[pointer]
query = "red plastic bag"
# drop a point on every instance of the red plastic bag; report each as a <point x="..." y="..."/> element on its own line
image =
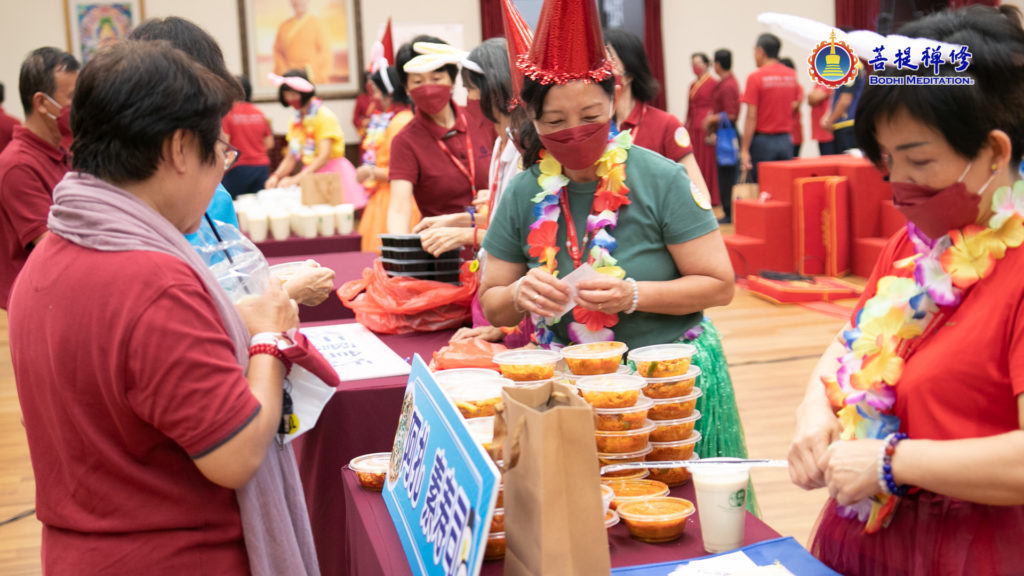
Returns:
<point x="469" y="353"/>
<point x="400" y="305"/>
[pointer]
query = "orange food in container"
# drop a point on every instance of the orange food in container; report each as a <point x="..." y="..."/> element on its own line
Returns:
<point x="675" y="408"/>
<point x="495" y="549"/>
<point x="662" y="360"/>
<point x="656" y="519"/>
<point x="679" y="450"/>
<point x="610" y="390"/>
<point x="635" y="489"/>
<point x="611" y="518"/>
<point x="527" y="365"/>
<point x="673" y="430"/>
<point x="609" y="459"/>
<point x="498" y="521"/>
<point x="673" y="386"/>
<point x="478" y="398"/>
<point x="625" y="441"/>
<point x="372" y="469"/>
<point x="607" y="495"/>
<point x="594" y="358"/>
<point x="620" y="419"/>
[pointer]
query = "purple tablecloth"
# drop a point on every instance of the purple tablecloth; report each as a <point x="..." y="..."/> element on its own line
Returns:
<point x="346" y="265"/>
<point x="296" y="246"/>
<point x="373" y="547"/>
<point x="359" y="419"/>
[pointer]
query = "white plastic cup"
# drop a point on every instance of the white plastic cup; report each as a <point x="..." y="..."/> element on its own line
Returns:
<point x="280" y="225"/>
<point x="242" y="214"/>
<point x="304" y="222"/>
<point x="345" y="214"/>
<point x="325" y="219"/>
<point x="257" y="223"/>
<point x="721" y="502"/>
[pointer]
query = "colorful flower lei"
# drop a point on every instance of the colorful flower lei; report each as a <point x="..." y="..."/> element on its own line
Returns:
<point x="612" y="193"/>
<point x="901" y="314"/>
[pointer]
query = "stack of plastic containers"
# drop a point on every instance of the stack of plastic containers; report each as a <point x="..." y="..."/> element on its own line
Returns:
<point x="403" y="255"/>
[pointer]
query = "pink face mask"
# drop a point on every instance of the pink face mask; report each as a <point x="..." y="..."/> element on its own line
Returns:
<point x="937" y="211"/>
<point x="579" y="147"/>
<point x="431" y="98"/>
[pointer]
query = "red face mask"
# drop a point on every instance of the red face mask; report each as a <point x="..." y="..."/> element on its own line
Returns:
<point x="937" y="211"/>
<point x="431" y="98"/>
<point x="579" y="147"/>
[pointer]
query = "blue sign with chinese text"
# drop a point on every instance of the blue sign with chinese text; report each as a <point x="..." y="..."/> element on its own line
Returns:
<point x="441" y="485"/>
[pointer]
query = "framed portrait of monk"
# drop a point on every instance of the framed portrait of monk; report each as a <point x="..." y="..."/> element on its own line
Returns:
<point x="320" y="37"/>
<point x="90" y="23"/>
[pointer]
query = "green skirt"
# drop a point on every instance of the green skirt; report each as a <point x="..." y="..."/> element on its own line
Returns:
<point x="719" y="425"/>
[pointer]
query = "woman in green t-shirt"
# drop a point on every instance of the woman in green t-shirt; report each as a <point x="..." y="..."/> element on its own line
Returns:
<point x="630" y="213"/>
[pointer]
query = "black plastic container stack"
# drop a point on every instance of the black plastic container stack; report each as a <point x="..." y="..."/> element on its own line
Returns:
<point x="403" y="255"/>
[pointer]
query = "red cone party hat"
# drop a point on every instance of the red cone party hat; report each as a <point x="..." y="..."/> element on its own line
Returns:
<point x="568" y="44"/>
<point x="518" y="38"/>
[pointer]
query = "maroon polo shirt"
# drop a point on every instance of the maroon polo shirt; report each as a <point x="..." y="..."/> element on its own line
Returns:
<point x="773" y="88"/>
<point x="417" y="155"/>
<point x="246" y="125"/>
<point x="7" y="124"/>
<point x="726" y="97"/>
<point x="659" y="131"/>
<point x="30" y="168"/>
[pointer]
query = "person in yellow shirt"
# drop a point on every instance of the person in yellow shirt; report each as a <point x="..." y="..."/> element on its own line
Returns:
<point x="302" y="43"/>
<point x="314" y="138"/>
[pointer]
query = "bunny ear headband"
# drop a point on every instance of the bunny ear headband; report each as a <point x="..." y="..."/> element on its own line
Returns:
<point x="294" y="82"/>
<point x="433" y="56"/>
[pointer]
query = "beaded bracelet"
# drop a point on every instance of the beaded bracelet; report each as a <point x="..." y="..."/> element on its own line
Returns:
<point x="636" y="296"/>
<point x="885" y="479"/>
<point x="472" y="216"/>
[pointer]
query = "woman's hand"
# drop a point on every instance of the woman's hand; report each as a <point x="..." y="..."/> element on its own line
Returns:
<point x="489" y="333"/>
<point x="541" y="293"/>
<point x="605" y="293"/>
<point x="483" y="197"/>
<point x="745" y="162"/>
<point x="310" y="284"/>
<point x="272" y="311"/>
<point x="442" y="221"/>
<point x="289" y="181"/>
<point x="364" y="173"/>
<point x="816" y="428"/>
<point x="851" y="470"/>
<point x="272" y="182"/>
<point x="437" y="241"/>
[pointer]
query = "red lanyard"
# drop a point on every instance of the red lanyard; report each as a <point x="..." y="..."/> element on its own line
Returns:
<point x="471" y="172"/>
<point x="571" y="239"/>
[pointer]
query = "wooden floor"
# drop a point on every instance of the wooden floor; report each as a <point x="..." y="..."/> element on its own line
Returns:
<point x="771" y="350"/>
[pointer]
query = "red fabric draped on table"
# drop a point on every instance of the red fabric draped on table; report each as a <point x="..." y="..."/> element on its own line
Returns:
<point x="701" y="104"/>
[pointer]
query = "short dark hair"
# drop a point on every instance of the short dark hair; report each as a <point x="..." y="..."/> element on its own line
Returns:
<point x="305" y="96"/>
<point x="38" y="73"/>
<point x="243" y="81"/>
<point x="630" y="49"/>
<point x="964" y="115"/>
<point x="533" y="95"/>
<point x="770" y="43"/>
<point x="195" y="42"/>
<point x="122" y="118"/>
<point x="703" y="57"/>
<point x="398" y="93"/>
<point x="723" y="58"/>
<point x="495" y="84"/>
<point x="406" y="52"/>
<point x="788" y="63"/>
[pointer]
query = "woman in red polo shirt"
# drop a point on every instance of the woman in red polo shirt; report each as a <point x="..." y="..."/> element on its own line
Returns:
<point x="249" y="131"/>
<point x="432" y="159"/>
<point x="651" y="127"/>
<point x="924" y="461"/>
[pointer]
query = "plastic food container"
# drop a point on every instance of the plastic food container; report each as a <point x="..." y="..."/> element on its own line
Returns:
<point x="656" y="519"/>
<point x="495" y="549"/>
<point x="400" y="240"/>
<point x="476" y="399"/>
<point x="610" y="390"/>
<point x="673" y="430"/>
<point x="680" y="450"/>
<point x="415" y="253"/>
<point x="632" y="490"/>
<point x="482" y="430"/>
<point x="372" y="469"/>
<point x="424" y="265"/>
<point x="673" y="386"/>
<point x="457" y="375"/>
<point x="609" y="459"/>
<point x="611" y="518"/>
<point x="527" y="365"/>
<point x="620" y="419"/>
<point x="498" y="520"/>
<point x="594" y="358"/>
<point x="662" y="360"/>
<point x="285" y="271"/>
<point x="623" y="442"/>
<point x="674" y="408"/>
<point x="446" y="277"/>
<point x="607" y="495"/>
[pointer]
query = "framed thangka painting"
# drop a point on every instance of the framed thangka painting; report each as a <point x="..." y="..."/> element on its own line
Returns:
<point x="320" y="37"/>
<point x="90" y="23"/>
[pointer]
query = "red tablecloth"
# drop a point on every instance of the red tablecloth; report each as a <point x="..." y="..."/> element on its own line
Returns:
<point x="296" y="246"/>
<point x="359" y="419"/>
<point x="346" y="265"/>
<point x="373" y="546"/>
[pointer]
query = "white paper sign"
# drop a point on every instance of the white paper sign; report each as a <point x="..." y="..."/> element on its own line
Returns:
<point x="355" y="353"/>
<point x="584" y="272"/>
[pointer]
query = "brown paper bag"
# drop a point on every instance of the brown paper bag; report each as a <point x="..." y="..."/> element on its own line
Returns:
<point x="745" y="189"/>
<point x="321" y="189"/>
<point x="553" y="512"/>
